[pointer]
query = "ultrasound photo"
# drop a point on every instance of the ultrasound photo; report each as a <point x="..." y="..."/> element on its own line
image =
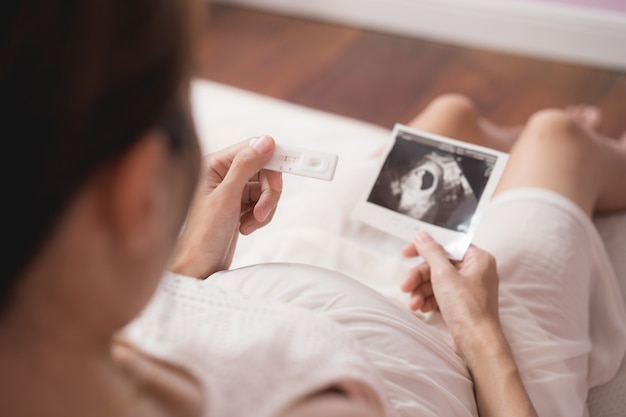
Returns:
<point x="433" y="182"/>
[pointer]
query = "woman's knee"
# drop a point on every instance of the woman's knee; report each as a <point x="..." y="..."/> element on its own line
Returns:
<point x="553" y="125"/>
<point x="454" y="106"/>
<point x="451" y="115"/>
<point x="555" y="153"/>
<point x="554" y="132"/>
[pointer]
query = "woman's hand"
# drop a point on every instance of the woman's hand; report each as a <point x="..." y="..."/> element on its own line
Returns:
<point x="235" y="195"/>
<point x="466" y="292"/>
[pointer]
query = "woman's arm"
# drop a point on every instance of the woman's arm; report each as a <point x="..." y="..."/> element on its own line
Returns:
<point x="466" y="293"/>
<point x="497" y="383"/>
<point x="235" y="195"/>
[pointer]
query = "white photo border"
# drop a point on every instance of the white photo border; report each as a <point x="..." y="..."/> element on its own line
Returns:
<point x="404" y="226"/>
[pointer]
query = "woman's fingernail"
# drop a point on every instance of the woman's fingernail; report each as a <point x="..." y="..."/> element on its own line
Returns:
<point x="423" y="237"/>
<point x="261" y="144"/>
<point x="278" y="184"/>
<point x="249" y="228"/>
<point x="266" y="212"/>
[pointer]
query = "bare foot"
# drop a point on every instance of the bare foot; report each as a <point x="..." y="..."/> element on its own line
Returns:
<point x="588" y="116"/>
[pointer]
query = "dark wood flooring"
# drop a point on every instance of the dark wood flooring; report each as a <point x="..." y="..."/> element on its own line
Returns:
<point x="384" y="79"/>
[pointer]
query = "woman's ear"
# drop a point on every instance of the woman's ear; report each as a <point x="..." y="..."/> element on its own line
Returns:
<point x="137" y="192"/>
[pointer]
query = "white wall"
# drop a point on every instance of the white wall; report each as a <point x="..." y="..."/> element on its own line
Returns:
<point x="544" y="29"/>
<point x="618" y="6"/>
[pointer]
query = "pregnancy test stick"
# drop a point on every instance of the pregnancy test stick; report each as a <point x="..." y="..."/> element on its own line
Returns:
<point x="305" y="162"/>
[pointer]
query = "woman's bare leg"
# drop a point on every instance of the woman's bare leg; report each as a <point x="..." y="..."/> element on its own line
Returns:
<point x="557" y="150"/>
<point x="558" y="153"/>
<point x="455" y="116"/>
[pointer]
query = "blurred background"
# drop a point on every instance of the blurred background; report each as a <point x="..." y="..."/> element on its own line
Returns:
<point x="382" y="61"/>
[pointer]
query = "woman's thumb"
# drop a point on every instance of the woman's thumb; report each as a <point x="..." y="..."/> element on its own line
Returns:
<point x="434" y="254"/>
<point x="250" y="160"/>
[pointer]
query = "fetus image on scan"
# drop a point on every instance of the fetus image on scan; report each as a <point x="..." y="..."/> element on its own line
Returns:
<point x="432" y="182"/>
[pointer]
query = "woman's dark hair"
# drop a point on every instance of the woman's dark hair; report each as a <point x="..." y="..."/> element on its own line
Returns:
<point x="80" y="80"/>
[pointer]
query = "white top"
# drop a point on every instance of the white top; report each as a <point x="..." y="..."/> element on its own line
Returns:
<point x="261" y="337"/>
<point x="251" y="357"/>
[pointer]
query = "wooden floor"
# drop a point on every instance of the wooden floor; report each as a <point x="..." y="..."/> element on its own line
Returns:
<point x="384" y="79"/>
